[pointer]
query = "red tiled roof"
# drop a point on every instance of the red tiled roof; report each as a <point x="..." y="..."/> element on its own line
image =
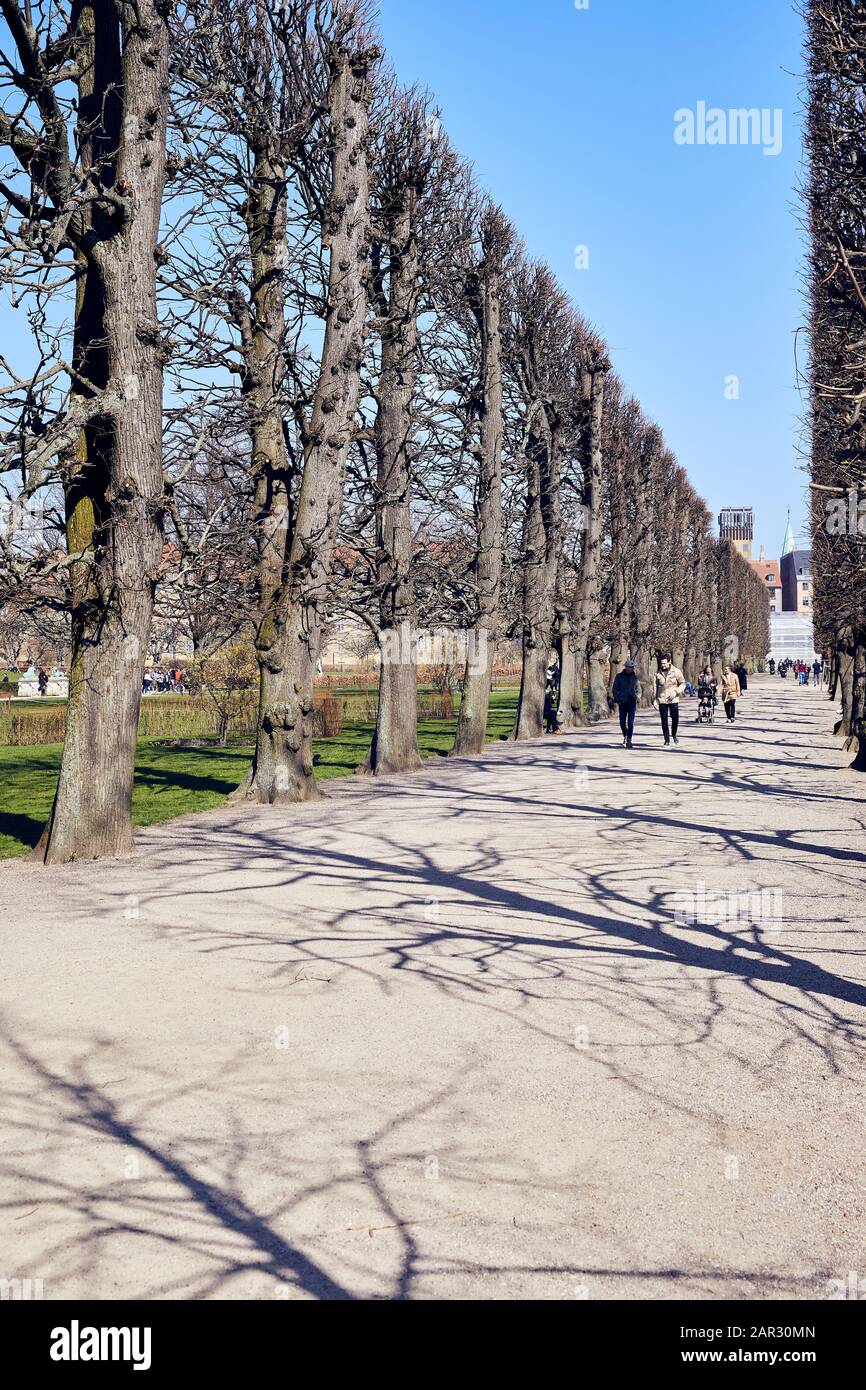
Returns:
<point x="764" y="567"/>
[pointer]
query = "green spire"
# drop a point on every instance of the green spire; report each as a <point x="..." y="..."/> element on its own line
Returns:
<point x="788" y="544"/>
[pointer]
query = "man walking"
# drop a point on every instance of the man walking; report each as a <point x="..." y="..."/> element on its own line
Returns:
<point x="626" y="693"/>
<point x="670" y="685"/>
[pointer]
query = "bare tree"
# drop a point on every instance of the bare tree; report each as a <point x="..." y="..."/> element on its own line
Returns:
<point x="289" y="86"/>
<point x="83" y="120"/>
<point x="288" y="638"/>
<point x="413" y="171"/>
<point x="482" y="294"/>
<point x="836" y="206"/>
<point x="593" y="366"/>
<point x="537" y="343"/>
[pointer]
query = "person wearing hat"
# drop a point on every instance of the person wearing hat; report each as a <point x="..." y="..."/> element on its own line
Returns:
<point x="626" y="693"/>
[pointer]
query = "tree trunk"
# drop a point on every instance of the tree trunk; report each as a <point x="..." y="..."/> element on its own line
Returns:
<point x="261" y="324"/>
<point x="679" y="587"/>
<point x="530" y="720"/>
<point x="541" y="537"/>
<point x="598" y="707"/>
<point x="646" y="675"/>
<point x="833" y="682"/>
<point x="288" y="638"/>
<point x="478" y="675"/>
<point x="114" y="494"/>
<point x="585" y="605"/>
<point x="395" y="741"/>
<point x="642" y="594"/>
<point x="620" y="649"/>
<point x="846" y="685"/>
<point x="475" y="700"/>
<point x="619" y="655"/>
<point x="570" y="711"/>
<point x="858" y="699"/>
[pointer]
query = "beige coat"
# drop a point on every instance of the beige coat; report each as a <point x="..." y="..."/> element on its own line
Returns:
<point x="729" y="688"/>
<point x="670" y="685"/>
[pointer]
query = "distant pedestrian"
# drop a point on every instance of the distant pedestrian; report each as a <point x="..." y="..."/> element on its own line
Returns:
<point x="730" y="693"/>
<point x="771" y="666"/>
<point x="551" y="700"/>
<point x="742" y="676"/>
<point x="626" y="693"/>
<point x="42" y="681"/>
<point x="816" y="673"/>
<point x="669" y="686"/>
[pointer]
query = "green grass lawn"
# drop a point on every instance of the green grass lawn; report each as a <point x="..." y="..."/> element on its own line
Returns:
<point x="172" y="781"/>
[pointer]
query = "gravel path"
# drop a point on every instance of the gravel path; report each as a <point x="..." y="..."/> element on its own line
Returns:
<point x="487" y="1031"/>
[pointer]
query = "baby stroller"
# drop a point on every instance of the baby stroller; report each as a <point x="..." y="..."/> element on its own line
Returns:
<point x="706" y="704"/>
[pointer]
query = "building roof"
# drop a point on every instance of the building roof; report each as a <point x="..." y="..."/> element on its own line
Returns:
<point x="788" y="543"/>
<point x="800" y="560"/>
<point x="763" y="568"/>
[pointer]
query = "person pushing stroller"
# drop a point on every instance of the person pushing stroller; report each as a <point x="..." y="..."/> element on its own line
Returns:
<point x="707" y="695"/>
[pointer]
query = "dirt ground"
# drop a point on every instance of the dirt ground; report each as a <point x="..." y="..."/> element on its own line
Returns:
<point x="486" y="1031"/>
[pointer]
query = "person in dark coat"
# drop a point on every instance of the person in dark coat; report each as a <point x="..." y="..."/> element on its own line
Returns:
<point x="551" y="700"/>
<point x="626" y="693"/>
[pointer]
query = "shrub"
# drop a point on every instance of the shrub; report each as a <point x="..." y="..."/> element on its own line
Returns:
<point x="24" y="728"/>
<point x="230" y="677"/>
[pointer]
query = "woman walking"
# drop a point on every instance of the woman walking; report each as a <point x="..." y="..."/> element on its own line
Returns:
<point x="730" y="693"/>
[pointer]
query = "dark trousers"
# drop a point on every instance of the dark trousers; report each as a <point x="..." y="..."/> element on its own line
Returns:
<point x="730" y="708"/>
<point x="670" y="720"/>
<point x="626" y="719"/>
<point x="551" y="717"/>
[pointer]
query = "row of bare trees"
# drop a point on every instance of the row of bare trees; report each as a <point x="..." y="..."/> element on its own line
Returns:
<point x="836" y="205"/>
<point x="667" y="584"/>
<point x="285" y="363"/>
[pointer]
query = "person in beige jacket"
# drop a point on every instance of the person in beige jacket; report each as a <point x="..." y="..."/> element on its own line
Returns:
<point x="670" y="685"/>
<point x="730" y="693"/>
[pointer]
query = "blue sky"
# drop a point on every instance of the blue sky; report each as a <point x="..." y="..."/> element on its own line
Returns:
<point x="695" y="252"/>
